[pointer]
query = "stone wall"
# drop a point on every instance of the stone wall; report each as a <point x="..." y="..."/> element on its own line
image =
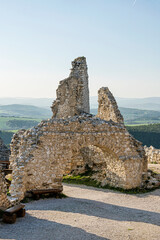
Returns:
<point x="41" y="156"/>
<point x="73" y="93"/>
<point x="32" y="162"/>
<point x="4" y="152"/>
<point x="107" y="106"/>
<point x="4" y="202"/>
<point x="153" y="154"/>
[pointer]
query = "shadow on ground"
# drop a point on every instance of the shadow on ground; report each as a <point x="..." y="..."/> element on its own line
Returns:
<point x="98" y="209"/>
<point x="32" y="228"/>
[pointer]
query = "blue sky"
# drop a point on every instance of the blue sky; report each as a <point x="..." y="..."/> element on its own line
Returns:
<point x="119" y="38"/>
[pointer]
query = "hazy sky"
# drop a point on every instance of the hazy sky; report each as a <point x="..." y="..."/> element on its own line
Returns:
<point x="40" y="38"/>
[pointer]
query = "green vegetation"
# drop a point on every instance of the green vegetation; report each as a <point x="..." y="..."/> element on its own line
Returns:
<point x="10" y="125"/>
<point x="6" y="136"/>
<point x="147" y="134"/>
<point x="85" y="180"/>
<point x="14" y="117"/>
<point x="136" y="116"/>
<point x="16" y="123"/>
<point x="88" y="181"/>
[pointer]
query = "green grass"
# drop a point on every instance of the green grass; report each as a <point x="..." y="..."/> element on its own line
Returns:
<point x="85" y="180"/>
<point x="5" y="120"/>
<point x="136" y="125"/>
<point x="88" y="181"/>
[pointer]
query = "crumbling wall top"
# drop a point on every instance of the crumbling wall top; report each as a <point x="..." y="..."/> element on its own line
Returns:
<point x="79" y="68"/>
<point x="73" y="93"/>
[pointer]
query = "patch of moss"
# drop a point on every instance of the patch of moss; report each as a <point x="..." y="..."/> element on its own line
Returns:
<point x="86" y="180"/>
<point x="79" y="179"/>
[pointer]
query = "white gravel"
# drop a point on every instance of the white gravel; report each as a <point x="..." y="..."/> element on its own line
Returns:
<point x="89" y="213"/>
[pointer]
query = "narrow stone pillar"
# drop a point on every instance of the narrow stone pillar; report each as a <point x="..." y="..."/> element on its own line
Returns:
<point x="107" y="106"/>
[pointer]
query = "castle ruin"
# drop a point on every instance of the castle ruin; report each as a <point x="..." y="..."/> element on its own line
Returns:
<point x="73" y="139"/>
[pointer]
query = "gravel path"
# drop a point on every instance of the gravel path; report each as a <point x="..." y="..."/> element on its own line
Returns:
<point x="89" y="213"/>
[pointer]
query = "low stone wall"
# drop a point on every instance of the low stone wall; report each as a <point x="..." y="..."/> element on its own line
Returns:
<point x="42" y="155"/>
<point x="153" y="154"/>
<point x="4" y="202"/>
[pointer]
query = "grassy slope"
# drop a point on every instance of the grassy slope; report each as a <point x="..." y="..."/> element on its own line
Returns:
<point x="131" y="116"/>
<point x="5" y="126"/>
<point x="18" y="110"/>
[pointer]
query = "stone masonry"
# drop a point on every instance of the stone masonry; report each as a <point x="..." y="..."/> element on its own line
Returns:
<point x="153" y="154"/>
<point x="32" y="162"/>
<point x="73" y="93"/>
<point x="107" y="106"/>
<point x="73" y="141"/>
<point x="4" y="202"/>
<point x="4" y="152"/>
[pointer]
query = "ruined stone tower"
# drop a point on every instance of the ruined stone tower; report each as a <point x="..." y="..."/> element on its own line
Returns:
<point x="73" y="93"/>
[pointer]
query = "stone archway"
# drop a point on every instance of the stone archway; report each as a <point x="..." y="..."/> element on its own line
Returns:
<point x="40" y="156"/>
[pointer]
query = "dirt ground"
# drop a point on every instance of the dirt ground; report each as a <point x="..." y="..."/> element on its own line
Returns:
<point x="89" y="213"/>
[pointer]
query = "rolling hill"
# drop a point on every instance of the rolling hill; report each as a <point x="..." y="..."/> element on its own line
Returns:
<point x="151" y="103"/>
<point x="29" y="111"/>
<point x="16" y="116"/>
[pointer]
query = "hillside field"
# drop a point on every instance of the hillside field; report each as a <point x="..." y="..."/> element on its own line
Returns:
<point x="16" y="123"/>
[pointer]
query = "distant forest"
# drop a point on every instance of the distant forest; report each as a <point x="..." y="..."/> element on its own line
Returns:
<point x="6" y="137"/>
<point x="147" y="134"/>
